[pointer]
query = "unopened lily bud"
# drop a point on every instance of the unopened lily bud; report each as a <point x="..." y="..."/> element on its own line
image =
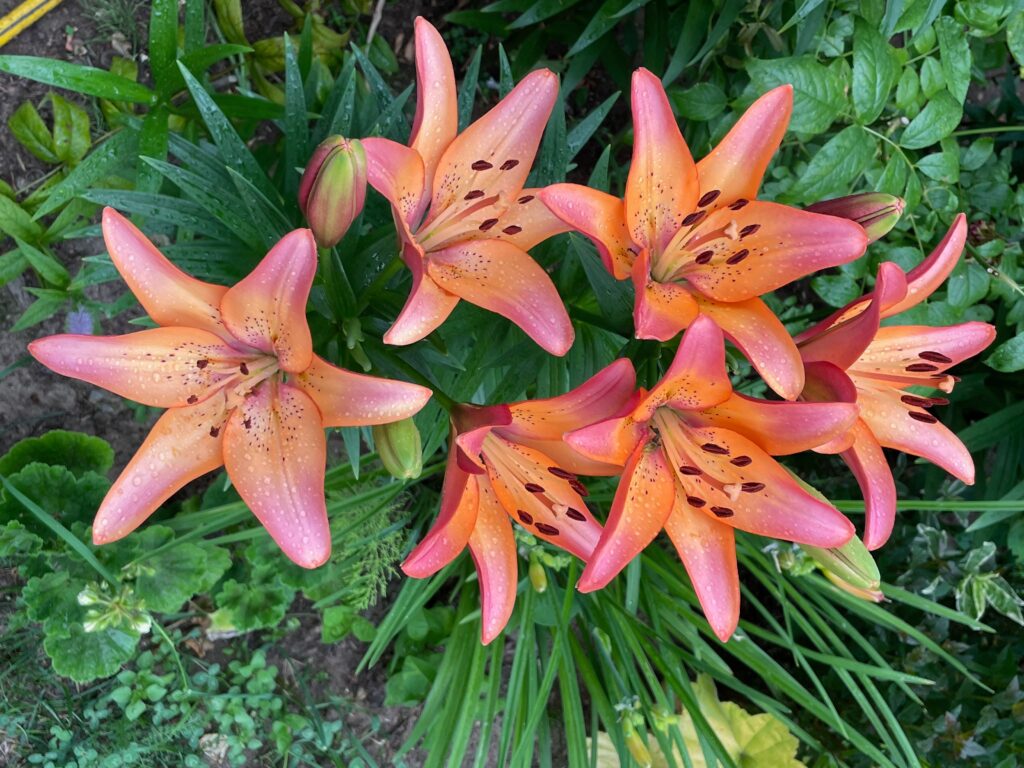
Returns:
<point x="876" y="212"/>
<point x="538" y="576"/>
<point x="333" y="188"/>
<point x="850" y="567"/>
<point x="635" y="744"/>
<point x="400" y="448"/>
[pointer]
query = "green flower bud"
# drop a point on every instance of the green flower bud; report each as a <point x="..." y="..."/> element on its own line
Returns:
<point x="850" y="567"/>
<point x="538" y="576"/>
<point x="333" y="188"/>
<point x="400" y="449"/>
<point x="876" y="212"/>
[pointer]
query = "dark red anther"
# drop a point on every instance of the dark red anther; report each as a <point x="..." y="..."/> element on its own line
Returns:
<point x="247" y="423"/>
<point x="749" y="229"/>
<point x="214" y="431"/>
<point x="709" y="197"/>
<point x="244" y="369"/>
<point x="512" y="229"/>
<point x="547" y="530"/>
<point x="939" y="401"/>
<point x="200" y="364"/>
<point x="488" y="224"/>
<point x="534" y="488"/>
<point x="693" y="218"/>
<point x="704" y="257"/>
<point x="574" y="514"/>
<point x="481" y="165"/>
<point x="508" y="165"/>
<point x="718" y="450"/>
<point x="917" y="402"/>
<point x="473" y="194"/>
<point x="922" y="367"/>
<point x="752" y="487"/>
<point x="688" y="470"/>
<point x="741" y="461"/>
<point x="579" y="487"/>
<point x="562" y="473"/>
<point x="935" y="357"/>
<point x="525" y="199"/>
<point x="695" y="501"/>
<point x="737" y="257"/>
<point x="525" y="516"/>
<point x="927" y="418"/>
<point x="738" y="204"/>
<point x="192" y="399"/>
<point x="722" y="512"/>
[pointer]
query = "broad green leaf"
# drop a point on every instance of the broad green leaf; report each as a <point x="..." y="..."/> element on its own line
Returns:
<point x="99" y="164"/>
<point x="818" y="97"/>
<point x="955" y="55"/>
<point x="977" y="154"/>
<point x="12" y="264"/>
<point x="17" y="541"/>
<point x="76" y="452"/>
<point x="45" y="265"/>
<point x="907" y="91"/>
<point x="702" y="102"/>
<point x="941" y="166"/>
<point x="933" y="79"/>
<point x="836" y="290"/>
<point x="875" y="71"/>
<point x="71" y="136"/>
<point x="968" y="284"/>
<point x="45" y="306"/>
<point x="163" y="46"/>
<point x="894" y="176"/>
<point x="937" y="120"/>
<point x="1015" y="36"/>
<point x="244" y="607"/>
<point x="836" y="164"/>
<point x="69" y="499"/>
<point x="200" y="60"/>
<point x="167" y="579"/>
<point x="30" y="130"/>
<point x="86" y="656"/>
<point x="74" y="77"/>
<point x="15" y="221"/>
<point x="1008" y="357"/>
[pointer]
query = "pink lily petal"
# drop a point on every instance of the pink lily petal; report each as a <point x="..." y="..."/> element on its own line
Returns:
<point x="437" y="107"/>
<point x="843" y="343"/>
<point x="267" y="308"/>
<point x="168" y="295"/>
<point x="642" y="504"/>
<point x="564" y="456"/>
<point x="599" y="397"/>
<point x="923" y="279"/>
<point x="762" y="338"/>
<point x="611" y="441"/>
<point x="185" y="443"/>
<point x="396" y="171"/>
<point x="903" y="351"/>
<point x="504" y="279"/>
<point x="451" y="531"/>
<point x="735" y="167"/>
<point x="780" y="428"/>
<point x="708" y="550"/>
<point x="826" y="383"/>
<point x="739" y="484"/>
<point x="347" y="399"/>
<point x="697" y="377"/>
<point x="426" y="308"/>
<point x="661" y="310"/>
<point x="493" y="547"/>
<point x="662" y="187"/>
<point x="763" y="246"/>
<point x="494" y="154"/>
<point x="162" y="367"/>
<point x="599" y="216"/>
<point x="868" y="464"/>
<point x="526" y="222"/>
<point x="889" y="418"/>
<point x="275" y="452"/>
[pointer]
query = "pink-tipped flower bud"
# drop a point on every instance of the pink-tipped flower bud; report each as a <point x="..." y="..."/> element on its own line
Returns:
<point x="876" y="212"/>
<point x="333" y="188"/>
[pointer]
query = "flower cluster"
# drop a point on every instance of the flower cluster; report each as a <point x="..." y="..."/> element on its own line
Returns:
<point x="236" y="370"/>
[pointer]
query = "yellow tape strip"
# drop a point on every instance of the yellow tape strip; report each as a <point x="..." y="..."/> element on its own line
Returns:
<point x="24" y="16"/>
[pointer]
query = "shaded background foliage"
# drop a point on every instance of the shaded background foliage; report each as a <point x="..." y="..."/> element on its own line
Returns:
<point x="917" y="98"/>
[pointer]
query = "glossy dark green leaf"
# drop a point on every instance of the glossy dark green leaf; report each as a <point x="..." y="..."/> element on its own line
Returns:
<point x="937" y="120"/>
<point x="875" y="71"/>
<point x="31" y="132"/>
<point x="71" y="136"/>
<point x="955" y="56"/>
<point x="818" y="97"/>
<point x="836" y="165"/>
<point x="75" y="77"/>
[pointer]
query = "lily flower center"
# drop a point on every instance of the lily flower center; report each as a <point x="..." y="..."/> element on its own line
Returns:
<point x="236" y="377"/>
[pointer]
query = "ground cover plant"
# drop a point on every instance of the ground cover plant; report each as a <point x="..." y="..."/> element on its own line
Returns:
<point x="596" y="271"/>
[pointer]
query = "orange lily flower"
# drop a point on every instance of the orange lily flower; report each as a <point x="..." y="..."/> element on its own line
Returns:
<point x="694" y="239"/>
<point x="849" y="357"/>
<point x="698" y="462"/>
<point x="510" y="461"/>
<point x="462" y="214"/>
<point x="236" y="371"/>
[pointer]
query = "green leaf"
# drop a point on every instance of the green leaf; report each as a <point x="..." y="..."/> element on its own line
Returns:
<point x="17" y="541"/>
<point x="467" y="89"/>
<point x="99" y="164"/>
<point x="86" y="656"/>
<point x="941" y="166"/>
<point x="202" y="59"/>
<point x="933" y="79"/>
<point x="967" y="285"/>
<point x="836" y="164"/>
<point x="45" y="265"/>
<point x="1008" y="356"/>
<point x="907" y="91"/>
<point x="44" y="307"/>
<point x="71" y="137"/>
<point x="74" y="77"/>
<point x="15" y="221"/>
<point x="875" y="71"/>
<point x="52" y="596"/>
<point x="69" y="499"/>
<point x="12" y="264"/>
<point x="600" y="23"/>
<point x="937" y="120"/>
<point x="978" y="153"/>
<point x="818" y="97"/>
<point x="163" y="46"/>
<point x="1015" y="36"/>
<point x="955" y="55"/>
<point x="702" y="102"/>
<point x="31" y="132"/>
<point x="836" y="290"/>
<point x="244" y="607"/>
<point x="337" y="623"/>
<point x="168" y="578"/>
<point x="585" y="128"/>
